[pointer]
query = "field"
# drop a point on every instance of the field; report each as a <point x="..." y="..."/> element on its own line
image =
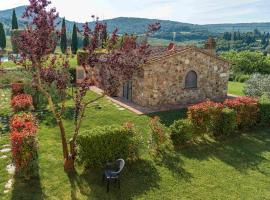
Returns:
<point x="236" y="88"/>
<point x="235" y="168"/>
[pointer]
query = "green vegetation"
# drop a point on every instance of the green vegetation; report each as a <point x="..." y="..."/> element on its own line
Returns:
<point x="3" y="42"/>
<point x="235" y="168"/>
<point x="236" y="88"/>
<point x="14" y="21"/>
<point x="63" y="42"/>
<point x="74" y="42"/>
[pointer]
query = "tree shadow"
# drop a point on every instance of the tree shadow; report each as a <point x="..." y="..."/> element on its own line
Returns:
<point x="174" y="164"/>
<point x="137" y="178"/>
<point x="28" y="189"/>
<point x="242" y="152"/>
<point x="168" y="117"/>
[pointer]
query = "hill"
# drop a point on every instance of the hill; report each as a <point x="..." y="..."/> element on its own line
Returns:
<point x="171" y="30"/>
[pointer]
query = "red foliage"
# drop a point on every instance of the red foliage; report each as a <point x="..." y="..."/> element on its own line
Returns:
<point x="247" y="109"/>
<point x="21" y="102"/>
<point x="24" y="123"/>
<point x="23" y="140"/>
<point x="203" y="115"/>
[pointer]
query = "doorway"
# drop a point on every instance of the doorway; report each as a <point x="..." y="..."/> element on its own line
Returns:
<point x="127" y="91"/>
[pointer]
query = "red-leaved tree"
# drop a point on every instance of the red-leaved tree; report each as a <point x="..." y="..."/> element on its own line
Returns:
<point x="36" y="45"/>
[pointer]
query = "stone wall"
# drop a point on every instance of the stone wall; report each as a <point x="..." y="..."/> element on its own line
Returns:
<point x="163" y="83"/>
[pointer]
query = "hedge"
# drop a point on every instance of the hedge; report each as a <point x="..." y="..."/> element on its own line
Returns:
<point x="265" y="110"/>
<point x="247" y="109"/>
<point x="98" y="146"/>
<point x="181" y="132"/>
<point x="226" y="124"/>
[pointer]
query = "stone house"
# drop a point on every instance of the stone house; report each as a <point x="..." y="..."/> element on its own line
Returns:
<point x="178" y="75"/>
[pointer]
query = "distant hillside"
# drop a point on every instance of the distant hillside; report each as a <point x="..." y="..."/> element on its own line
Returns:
<point x="171" y="30"/>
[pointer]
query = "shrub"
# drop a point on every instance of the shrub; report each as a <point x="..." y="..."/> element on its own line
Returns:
<point x="265" y="110"/>
<point x="182" y="132"/>
<point x="98" y="146"/>
<point x="242" y="78"/>
<point x="247" y="109"/>
<point x="226" y="124"/>
<point x="23" y="123"/>
<point x="72" y="72"/>
<point x="257" y="85"/>
<point x="24" y="144"/>
<point x="205" y="115"/>
<point x="17" y="88"/>
<point x="21" y="102"/>
<point x="159" y="138"/>
<point x="24" y="152"/>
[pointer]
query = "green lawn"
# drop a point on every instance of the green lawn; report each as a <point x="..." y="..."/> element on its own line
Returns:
<point x="236" y="168"/>
<point x="236" y="88"/>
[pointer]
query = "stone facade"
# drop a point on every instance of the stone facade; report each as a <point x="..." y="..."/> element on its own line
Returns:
<point x="162" y="80"/>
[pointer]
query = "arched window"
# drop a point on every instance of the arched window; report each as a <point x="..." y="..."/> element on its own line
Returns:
<point x="191" y="80"/>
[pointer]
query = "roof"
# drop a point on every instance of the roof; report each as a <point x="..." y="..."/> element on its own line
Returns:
<point x="160" y="52"/>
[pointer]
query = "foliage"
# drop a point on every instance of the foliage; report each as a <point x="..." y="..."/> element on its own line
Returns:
<point x="205" y="115"/>
<point x="14" y="21"/>
<point x="3" y="41"/>
<point x="21" y="102"/>
<point x="226" y="124"/>
<point x="182" y="132"/>
<point x="257" y="85"/>
<point x="23" y="123"/>
<point x="159" y="138"/>
<point x="98" y="146"/>
<point x="15" y="35"/>
<point x="247" y="109"/>
<point x="63" y="42"/>
<point x="247" y="62"/>
<point x="74" y="42"/>
<point x="17" y="88"/>
<point x="23" y="128"/>
<point x="241" y="78"/>
<point x="265" y="110"/>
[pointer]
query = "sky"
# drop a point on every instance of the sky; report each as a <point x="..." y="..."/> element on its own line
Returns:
<point x="190" y="11"/>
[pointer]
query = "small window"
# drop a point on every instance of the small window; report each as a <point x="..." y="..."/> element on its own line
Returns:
<point x="191" y="80"/>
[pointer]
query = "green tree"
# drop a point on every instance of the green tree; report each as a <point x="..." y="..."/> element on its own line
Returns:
<point x="86" y="41"/>
<point x="2" y="37"/>
<point x="63" y="42"/>
<point x="14" y="20"/>
<point x="74" y="43"/>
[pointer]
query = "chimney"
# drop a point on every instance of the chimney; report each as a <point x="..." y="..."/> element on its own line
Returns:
<point x="210" y="46"/>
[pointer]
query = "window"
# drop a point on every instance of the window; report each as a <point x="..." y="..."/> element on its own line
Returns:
<point x="191" y="80"/>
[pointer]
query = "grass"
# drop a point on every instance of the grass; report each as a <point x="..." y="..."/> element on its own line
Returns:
<point x="235" y="168"/>
<point x="236" y="88"/>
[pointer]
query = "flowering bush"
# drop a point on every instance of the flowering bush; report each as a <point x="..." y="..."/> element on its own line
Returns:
<point x="23" y="123"/>
<point x="21" y="102"/>
<point x="205" y="115"/>
<point x="17" y="88"/>
<point x="24" y="143"/>
<point x="247" y="109"/>
<point x="159" y="138"/>
<point x="24" y="152"/>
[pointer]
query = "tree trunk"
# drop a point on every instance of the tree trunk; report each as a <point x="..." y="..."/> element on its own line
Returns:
<point x="68" y="158"/>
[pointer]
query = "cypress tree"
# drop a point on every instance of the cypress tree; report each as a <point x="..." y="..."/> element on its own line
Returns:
<point x="86" y="41"/>
<point x="63" y="42"/>
<point x="14" y="20"/>
<point x="74" y="43"/>
<point x="2" y="37"/>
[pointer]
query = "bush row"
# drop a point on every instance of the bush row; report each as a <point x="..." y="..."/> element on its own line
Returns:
<point x="23" y="128"/>
<point x="221" y="119"/>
